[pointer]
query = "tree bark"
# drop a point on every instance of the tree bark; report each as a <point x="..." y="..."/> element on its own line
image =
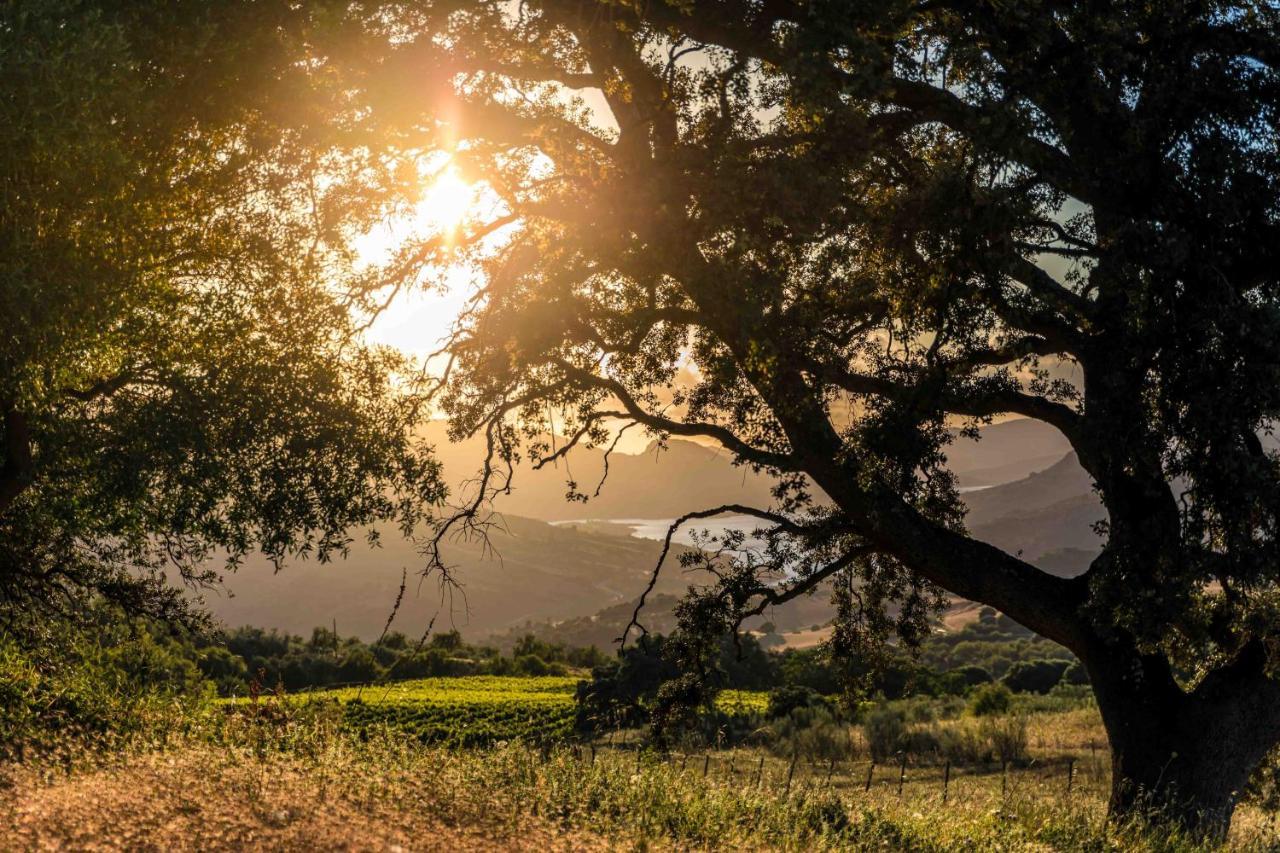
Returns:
<point x="1182" y="758"/>
<point x="17" y="468"/>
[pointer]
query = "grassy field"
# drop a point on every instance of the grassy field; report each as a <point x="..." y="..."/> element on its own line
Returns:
<point x="292" y="773"/>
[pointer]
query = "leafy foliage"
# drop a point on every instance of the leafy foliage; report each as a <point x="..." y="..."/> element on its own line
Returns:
<point x="181" y="377"/>
<point x="990" y="699"/>
<point x="99" y="684"/>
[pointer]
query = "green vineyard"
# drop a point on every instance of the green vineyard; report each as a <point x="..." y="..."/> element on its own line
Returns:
<point x="480" y="710"/>
<point x="468" y="711"/>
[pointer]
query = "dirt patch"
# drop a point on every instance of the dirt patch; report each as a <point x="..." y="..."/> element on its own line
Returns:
<point x="804" y="639"/>
<point x="959" y="614"/>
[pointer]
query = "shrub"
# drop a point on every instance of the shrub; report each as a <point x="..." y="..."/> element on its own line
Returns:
<point x="921" y="740"/>
<point x="1007" y="736"/>
<point x="950" y="707"/>
<point x="990" y="699"/>
<point x="886" y="733"/>
<point x="964" y="744"/>
<point x="1076" y="674"/>
<point x="449" y="641"/>
<point x="814" y="734"/>
<point x="784" y="700"/>
<point x="991" y="739"/>
<point x="358" y="666"/>
<point x="972" y="675"/>
<point x="1036" y="676"/>
<point x="919" y="710"/>
<point x="532" y="665"/>
<point x="98" y="686"/>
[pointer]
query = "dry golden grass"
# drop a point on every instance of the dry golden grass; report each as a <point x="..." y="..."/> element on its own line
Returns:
<point x="206" y="798"/>
<point x="304" y="785"/>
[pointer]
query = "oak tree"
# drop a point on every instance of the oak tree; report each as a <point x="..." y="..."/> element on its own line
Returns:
<point x="824" y="234"/>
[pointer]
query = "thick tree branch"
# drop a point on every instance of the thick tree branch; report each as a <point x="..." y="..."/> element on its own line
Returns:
<point x="636" y="412"/>
<point x="1045" y="287"/>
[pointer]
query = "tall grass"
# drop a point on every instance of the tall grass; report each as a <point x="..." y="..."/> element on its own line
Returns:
<point x="303" y="759"/>
<point x="744" y="799"/>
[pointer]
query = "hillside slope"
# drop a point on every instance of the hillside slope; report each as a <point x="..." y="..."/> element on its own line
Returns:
<point x="536" y="571"/>
<point x="686" y="476"/>
<point x="542" y="573"/>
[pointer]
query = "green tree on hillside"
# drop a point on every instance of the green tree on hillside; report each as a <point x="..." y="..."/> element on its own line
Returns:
<point x="861" y="224"/>
<point x="181" y="379"/>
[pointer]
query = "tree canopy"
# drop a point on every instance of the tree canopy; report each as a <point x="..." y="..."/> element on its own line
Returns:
<point x="181" y="376"/>
<point x="824" y="234"/>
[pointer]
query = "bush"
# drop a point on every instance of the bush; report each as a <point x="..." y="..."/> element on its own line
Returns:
<point x="813" y="734"/>
<point x="990" y="699"/>
<point x="784" y="700"/>
<point x="991" y="739"/>
<point x="1008" y="738"/>
<point x="921" y="740"/>
<point x="919" y="710"/>
<point x="886" y="733"/>
<point x="950" y="707"/>
<point x="1075" y="675"/>
<point x="358" y="666"/>
<point x="532" y="665"/>
<point x="1036" y="676"/>
<point x="972" y="676"/>
<point x="98" y="686"/>
<point x="964" y="744"/>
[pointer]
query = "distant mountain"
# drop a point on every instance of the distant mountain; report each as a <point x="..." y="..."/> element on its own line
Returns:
<point x="690" y="476"/>
<point x="1066" y="562"/>
<point x="559" y="575"/>
<point x="1006" y="451"/>
<point x="1047" y="517"/>
<point x="1036" y="534"/>
<point x="686" y="476"/>
<point x="1063" y="480"/>
<point x="603" y="627"/>
<point x="535" y="572"/>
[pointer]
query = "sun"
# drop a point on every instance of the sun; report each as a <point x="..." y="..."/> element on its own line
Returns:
<point x="447" y="202"/>
<point x="416" y="319"/>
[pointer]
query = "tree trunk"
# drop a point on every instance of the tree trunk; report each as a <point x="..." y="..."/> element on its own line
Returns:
<point x="1181" y="758"/>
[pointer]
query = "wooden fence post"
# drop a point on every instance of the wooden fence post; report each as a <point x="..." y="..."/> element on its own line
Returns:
<point x="870" y="770"/>
<point x="1071" y="774"/>
<point x="790" y="772"/>
<point x="946" y="782"/>
<point x="706" y="764"/>
<point x="902" y="773"/>
<point x="760" y="771"/>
